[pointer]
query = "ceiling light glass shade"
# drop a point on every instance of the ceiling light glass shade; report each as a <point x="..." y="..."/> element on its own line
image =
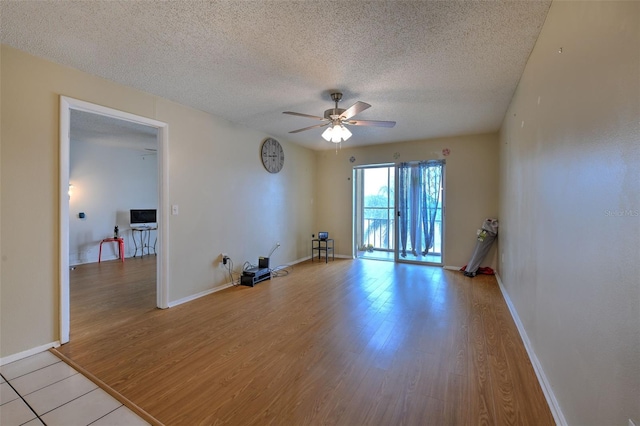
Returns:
<point x="327" y="134"/>
<point x="336" y="136"/>
<point x="346" y="134"/>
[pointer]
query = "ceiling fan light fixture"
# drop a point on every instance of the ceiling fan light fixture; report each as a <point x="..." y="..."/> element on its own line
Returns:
<point x="336" y="133"/>
<point x="339" y="133"/>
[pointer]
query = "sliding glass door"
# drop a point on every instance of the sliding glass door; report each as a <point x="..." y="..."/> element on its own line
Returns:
<point x="419" y="226"/>
<point x="398" y="212"/>
<point x="374" y="212"/>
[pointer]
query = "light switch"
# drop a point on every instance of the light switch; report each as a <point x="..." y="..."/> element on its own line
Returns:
<point x="174" y="209"/>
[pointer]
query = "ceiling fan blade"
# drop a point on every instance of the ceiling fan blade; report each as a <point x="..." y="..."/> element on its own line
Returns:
<point x="310" y="127"/>
<point x="299" y="114"/>
<point x="374" y="123"/>
<point x="354" y="109"/>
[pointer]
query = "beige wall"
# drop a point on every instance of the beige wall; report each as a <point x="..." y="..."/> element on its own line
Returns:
<point x="228" y="202"/>
<point x="471" y="181"/>
<point x="570" y="208"/>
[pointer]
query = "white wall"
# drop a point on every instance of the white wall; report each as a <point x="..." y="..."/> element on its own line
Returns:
<point x="107" y="182"/>
<point x="471" y="180"/>
<point x="570" y="208"/>
<point x="227" y="201"/>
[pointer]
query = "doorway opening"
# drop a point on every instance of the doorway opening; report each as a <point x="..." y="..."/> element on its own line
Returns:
<point x="67" y="105"/>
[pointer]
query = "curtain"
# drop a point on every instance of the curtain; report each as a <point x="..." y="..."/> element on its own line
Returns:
<point x="403" y="207"/>
<point x="403" y="170"/>
<point x="431" y="172"/>
<point x="419" y="200"/>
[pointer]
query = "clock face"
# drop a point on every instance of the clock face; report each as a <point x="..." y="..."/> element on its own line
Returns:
<point x="272" y="155"/>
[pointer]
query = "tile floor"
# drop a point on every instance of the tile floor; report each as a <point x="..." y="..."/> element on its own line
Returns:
<point x="43" y="390"/>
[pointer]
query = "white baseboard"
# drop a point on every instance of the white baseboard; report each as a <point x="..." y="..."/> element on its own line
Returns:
<point x="219" y="288"/>
<point x="198" y="295"/>
<point x="343" y="256"/>
<point x="339" y="256"/>
<point x="29" y="352"/>
<point x="452" y="268"/>
<point x="302" y="259"/>
<point x="537" y="367"/>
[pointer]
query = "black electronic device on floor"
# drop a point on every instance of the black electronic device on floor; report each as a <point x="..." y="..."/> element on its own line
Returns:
<point x="253" y="276"/>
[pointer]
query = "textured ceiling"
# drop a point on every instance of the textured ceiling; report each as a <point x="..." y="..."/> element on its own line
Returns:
<point x="89" y="127"/>
<point x="438" y="68"/>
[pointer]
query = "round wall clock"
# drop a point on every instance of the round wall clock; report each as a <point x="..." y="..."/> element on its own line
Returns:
<point x="272" y="155"/>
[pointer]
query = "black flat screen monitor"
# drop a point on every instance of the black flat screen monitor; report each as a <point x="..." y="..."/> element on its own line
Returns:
<point x="323" y="235"/>
<point x="143" y="216"/>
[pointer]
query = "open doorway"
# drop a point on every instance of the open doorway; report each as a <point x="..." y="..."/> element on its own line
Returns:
<point x="398" y="212"/>
<point x="113" y="174"/>
<point x="70" y="110"/>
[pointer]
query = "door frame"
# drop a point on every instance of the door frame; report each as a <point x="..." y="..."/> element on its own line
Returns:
<point x="162" y="274"/>
<point x="358" y="200"/>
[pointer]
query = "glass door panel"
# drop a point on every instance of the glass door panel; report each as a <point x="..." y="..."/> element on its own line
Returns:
<point x="374" y="218"/>
<point x="419" y="225"/>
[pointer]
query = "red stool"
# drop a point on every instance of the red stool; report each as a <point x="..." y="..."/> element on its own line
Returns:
<point x="120" y="242"/>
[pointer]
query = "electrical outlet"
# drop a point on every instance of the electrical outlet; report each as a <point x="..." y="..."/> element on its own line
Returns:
<point x="225" y="257"/>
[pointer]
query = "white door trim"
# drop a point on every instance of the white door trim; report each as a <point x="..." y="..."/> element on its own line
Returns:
<point x="162" y="290"/>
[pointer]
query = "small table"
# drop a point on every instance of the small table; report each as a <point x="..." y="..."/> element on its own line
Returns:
<point x="120" y="242"/>
<point x="142" y="230"/>
<point x="325" y="245"/>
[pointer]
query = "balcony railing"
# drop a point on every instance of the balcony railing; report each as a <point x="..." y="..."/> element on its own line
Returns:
<point x="379" y="234"/>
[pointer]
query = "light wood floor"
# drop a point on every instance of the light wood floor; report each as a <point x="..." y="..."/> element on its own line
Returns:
<point x="351" y="342"/>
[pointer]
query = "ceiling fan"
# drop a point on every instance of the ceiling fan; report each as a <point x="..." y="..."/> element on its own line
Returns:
<point x="338" y="118"/>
